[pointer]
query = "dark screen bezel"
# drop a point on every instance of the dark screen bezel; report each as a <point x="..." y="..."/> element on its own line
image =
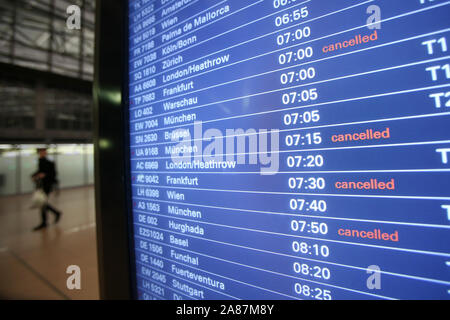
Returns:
<point x="115" y="241"/>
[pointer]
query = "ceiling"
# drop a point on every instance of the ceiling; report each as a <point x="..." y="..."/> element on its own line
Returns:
<point x="34" y="34"/>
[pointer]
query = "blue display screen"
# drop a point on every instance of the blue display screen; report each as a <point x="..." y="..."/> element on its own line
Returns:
<point x="287" y="149"/>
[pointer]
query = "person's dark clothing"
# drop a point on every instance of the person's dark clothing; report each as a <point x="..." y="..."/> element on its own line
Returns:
<point x="44" y="213"/>
<point x="48" y="168"/>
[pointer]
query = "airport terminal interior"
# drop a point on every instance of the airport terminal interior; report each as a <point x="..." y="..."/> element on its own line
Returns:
<point x="225" y="150"/>
<point x="46" y="102"/>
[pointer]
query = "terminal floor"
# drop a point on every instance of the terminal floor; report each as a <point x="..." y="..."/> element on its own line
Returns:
<point x="33" y="264"/>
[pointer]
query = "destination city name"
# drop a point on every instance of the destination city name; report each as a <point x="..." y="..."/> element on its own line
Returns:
<point x="173" y="195"/>
<point x="180" y="44"/>
<point x="199" y="21"/>
<point x="184" y="212"/>
<point x="197" y="277"/>
<point x="185" y="102"/>
<point x="176" y="150"/>
<point x="186" y="258"/>
<point x="172" y="120"/>
<point x="192" y="292"/>
<point x="185" y="181"/>
<point x="180" y="88"/>
<point x="176" y="134"/>
<point x="179" y="241"/>
<point x="197" y="164"/>
<point x="177" y="5"/>
<point x="172" y="62"/>
<point x="197" y="67"/>
<point x="186" y="228"/>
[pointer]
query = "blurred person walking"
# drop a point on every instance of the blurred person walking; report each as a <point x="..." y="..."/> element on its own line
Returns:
<point x="45" y="178"/>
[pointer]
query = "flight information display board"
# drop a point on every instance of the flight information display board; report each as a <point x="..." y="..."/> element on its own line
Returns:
<point x="289" y="149"/>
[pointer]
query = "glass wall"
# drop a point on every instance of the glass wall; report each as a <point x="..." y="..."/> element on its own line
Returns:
<point x="74" y="166"/>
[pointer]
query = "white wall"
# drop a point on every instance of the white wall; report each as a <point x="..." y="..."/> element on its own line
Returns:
<point x="74" y="165"/>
